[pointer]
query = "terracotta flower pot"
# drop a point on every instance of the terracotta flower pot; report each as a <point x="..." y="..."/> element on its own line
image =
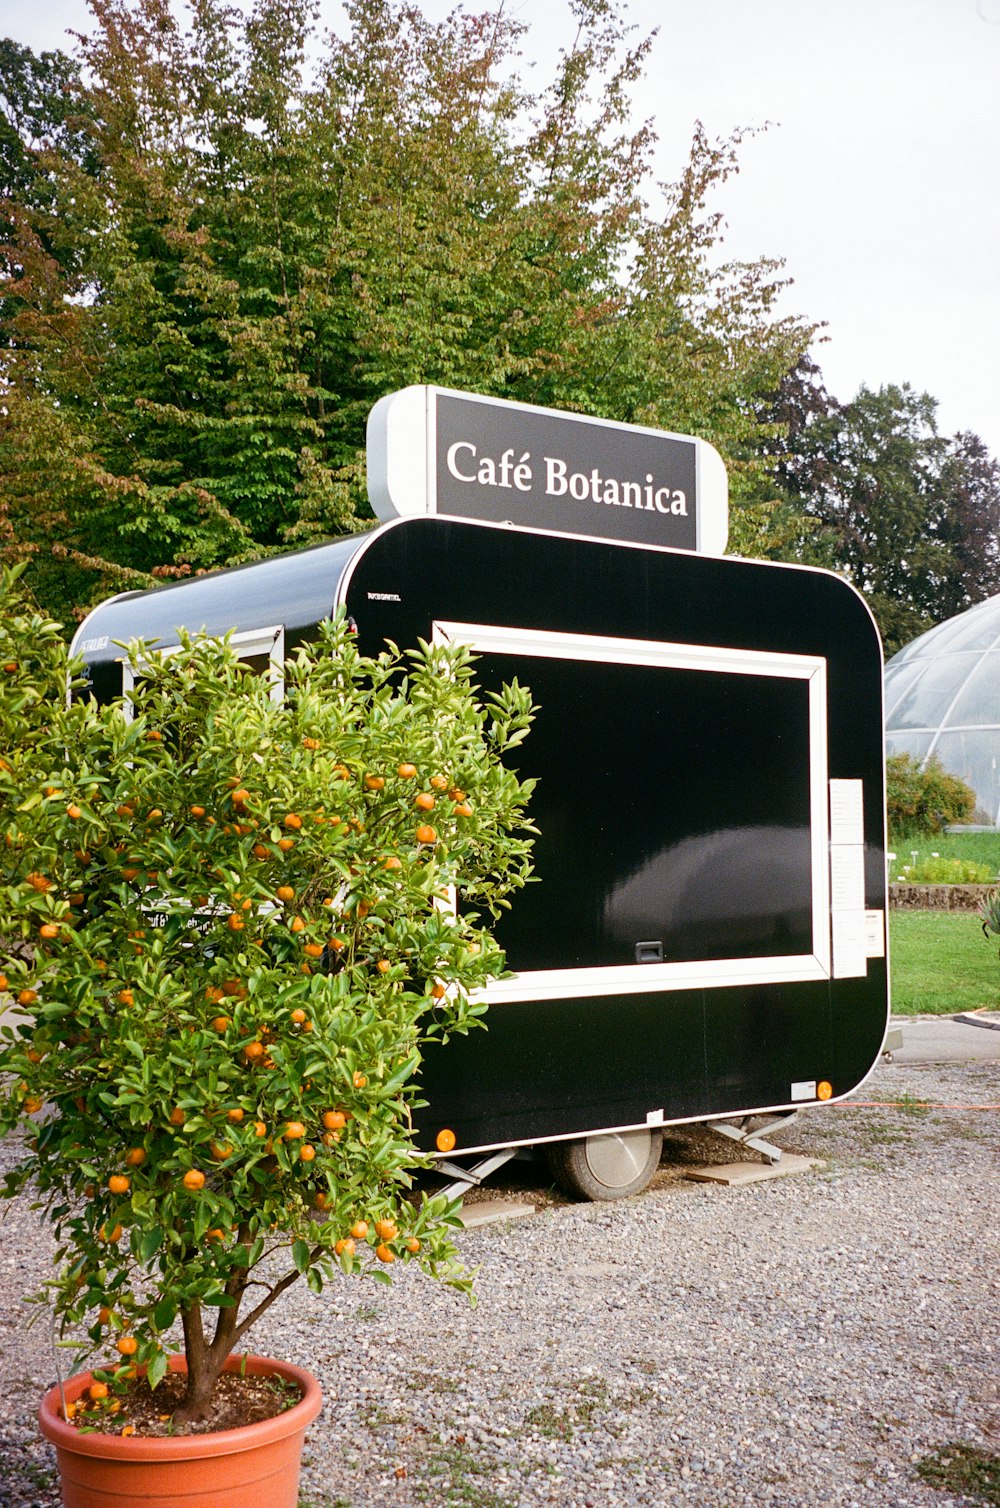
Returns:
<point x="258" y="1463"/>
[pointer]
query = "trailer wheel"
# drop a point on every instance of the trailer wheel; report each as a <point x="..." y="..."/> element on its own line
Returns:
<point x="610" y="1166"/>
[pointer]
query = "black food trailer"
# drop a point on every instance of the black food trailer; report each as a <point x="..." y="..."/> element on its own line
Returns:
<point x="707" y="941"/>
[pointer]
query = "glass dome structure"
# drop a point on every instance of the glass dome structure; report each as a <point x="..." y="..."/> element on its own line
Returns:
<point x="942" y="698"/>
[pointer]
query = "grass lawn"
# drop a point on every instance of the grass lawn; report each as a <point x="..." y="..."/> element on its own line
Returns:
<point x="940" y="962"/>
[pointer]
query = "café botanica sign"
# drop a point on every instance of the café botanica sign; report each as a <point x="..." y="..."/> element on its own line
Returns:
<point x="432" y="450"/>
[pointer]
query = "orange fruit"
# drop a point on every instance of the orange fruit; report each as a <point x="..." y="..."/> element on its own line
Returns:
<point x="127" y="1346"/>
<point x="306" y="1152"/>
<point x="297" y="924"/>
<point x="426" y="834"/>
<point x="314" y="950"/>
<point x="32" y="1104"/>
<point x="178" y="1116"/>
<point x="285" y="844"/>
<point x="407" y="771"/>
<point x="387" y="1229"/>
<point x="3" y="981"/>
<point x="424" y="802"/>
<point x="27" y="997"/>
<point x="240" y="797"/>
<point x="135" y="1157"/>
<point x="104" y="1314"/>
<point x="293" y="821"/>
<point x="112" y="1234"/>
<point x="253" y="1051"/>
<point x="285" y="893"/>
<point x="413" y="1245"/>
<point x="97" y="1391"/>
<point x="392" y="862"/>
<point x="345" y="1244"/>
<point x="374" y="782"/>
<point x="359" y="1229"/>
<point x="439" y="782"/>
<point x="222" y="1023"/>
<point x="234" y="1114"/>
<point x="235" y="922"/>
<point x="259" y="1128"/>
<point x="193" y="1180"/>
<point x="215" y="1234"/>
<point x="260" y="852"/>
<point x="154" y="736"/>
<point x="462" y="809"/>
<point x="334" y="1120"/>
<point x="310" y="743"/>
<point x="221" y="1150"/>
<point x="383" y="965"/>
<point x="74" y="812"/>
<point x="360" y="1082"/>
<point x="126" y="997"/>
<point x="299" y="1015"/>
<point x="197" y="812"/>
<point x="119" y="1184"/>
<point x="48" y="930"/>
<point x="384" y="1253"/>
<point x="293" y="1130"/>
<point x="438" y="991"/>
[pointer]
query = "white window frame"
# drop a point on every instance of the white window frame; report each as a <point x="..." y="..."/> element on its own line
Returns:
<point x="628" y="979"/>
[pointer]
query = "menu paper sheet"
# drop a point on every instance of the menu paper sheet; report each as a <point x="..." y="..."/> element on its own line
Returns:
<point x="851" y="932"/>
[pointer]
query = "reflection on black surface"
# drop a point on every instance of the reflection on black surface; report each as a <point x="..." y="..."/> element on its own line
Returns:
<point x="673" y="804"/>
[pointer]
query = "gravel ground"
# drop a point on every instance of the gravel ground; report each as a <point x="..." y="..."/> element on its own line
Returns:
<point x="806" y="1340"/>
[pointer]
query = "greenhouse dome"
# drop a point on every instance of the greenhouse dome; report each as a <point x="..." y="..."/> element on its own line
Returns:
<point x="942" y="699"/>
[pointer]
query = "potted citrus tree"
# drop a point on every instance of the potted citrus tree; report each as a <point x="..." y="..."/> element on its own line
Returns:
<point x="229" y="927"/>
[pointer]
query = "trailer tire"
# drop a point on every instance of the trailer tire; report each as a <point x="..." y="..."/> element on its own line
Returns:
<point x="610" y="1166"/>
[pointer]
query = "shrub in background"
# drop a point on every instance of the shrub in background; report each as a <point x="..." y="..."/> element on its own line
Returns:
<point x="922" y="798"/>
<point x="229" y="930"/>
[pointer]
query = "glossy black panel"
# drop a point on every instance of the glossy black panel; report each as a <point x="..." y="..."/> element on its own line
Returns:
<point x="651" y="828"/>
<point x="573" y="1065"/>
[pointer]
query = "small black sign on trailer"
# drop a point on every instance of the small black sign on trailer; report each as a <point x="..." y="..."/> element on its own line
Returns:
<point x="707" y="940"/>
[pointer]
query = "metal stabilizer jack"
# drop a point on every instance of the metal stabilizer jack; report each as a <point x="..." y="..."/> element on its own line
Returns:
<point x="743" y="1133"/>
<point x="467" y="1178"/>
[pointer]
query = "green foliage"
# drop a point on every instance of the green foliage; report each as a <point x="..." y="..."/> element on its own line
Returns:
<point x="230" y="930"/>
<point x="922" y="798"/>
<point x="870" y="488"/>
<point x="965" y="1470"/>
<point x="939" y="870"/>
<point x="254" y="250"/>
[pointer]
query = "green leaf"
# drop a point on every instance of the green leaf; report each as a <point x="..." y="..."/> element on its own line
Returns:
<point x="156" y="1368"/>
<point x="300" y="1255"/>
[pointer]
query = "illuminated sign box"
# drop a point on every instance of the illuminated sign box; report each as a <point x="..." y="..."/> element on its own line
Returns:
<point x="435" y="451"/>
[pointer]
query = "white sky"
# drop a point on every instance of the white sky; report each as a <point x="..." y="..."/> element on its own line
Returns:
<point x="877" y="182"/>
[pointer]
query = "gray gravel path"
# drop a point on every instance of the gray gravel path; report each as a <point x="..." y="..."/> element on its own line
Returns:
<point x="801" y="1341"/>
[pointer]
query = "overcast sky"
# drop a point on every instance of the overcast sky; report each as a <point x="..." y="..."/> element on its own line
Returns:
<point x="877" y="182"/>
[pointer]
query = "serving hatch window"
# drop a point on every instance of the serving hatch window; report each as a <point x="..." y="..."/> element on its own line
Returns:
<point x="682" y="803"/>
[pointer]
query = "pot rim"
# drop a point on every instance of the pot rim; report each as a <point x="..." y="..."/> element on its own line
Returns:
<point x="222" y="1442"/>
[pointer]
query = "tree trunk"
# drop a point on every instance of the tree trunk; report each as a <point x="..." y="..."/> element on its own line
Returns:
<point x="204" y="1363"/>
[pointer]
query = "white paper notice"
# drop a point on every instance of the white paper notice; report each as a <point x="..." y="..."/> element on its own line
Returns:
<point x="847" y="814"/>
<point x="875" y="934"/>
<point x="850" y="960"/>
<point x="847" y="878"/>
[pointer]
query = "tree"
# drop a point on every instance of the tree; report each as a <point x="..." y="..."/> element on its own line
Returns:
<point x="257" y="250"/>
<point x="908" y="515"/>
<point x="222" y="920"/>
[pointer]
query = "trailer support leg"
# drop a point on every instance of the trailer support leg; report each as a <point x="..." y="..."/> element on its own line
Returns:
<point x="467" y="1178"/>
<point x="744" y="1134"/>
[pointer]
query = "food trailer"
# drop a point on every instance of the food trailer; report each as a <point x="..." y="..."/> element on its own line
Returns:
<point x="707" y="940"/>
